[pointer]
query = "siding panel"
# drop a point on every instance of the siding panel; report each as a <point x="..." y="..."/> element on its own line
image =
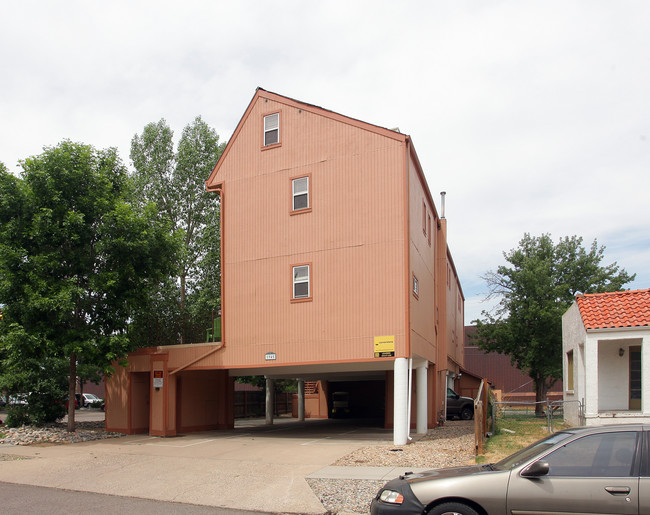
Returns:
<point x="353" y="239"/>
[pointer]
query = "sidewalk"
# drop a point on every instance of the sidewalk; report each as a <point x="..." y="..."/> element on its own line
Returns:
<point x="253" y="467"/>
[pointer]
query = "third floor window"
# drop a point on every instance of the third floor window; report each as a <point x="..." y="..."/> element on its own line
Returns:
<point x="271" y="129"/>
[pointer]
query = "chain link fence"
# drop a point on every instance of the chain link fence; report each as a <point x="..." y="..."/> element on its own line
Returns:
<point x="552" y="410"/>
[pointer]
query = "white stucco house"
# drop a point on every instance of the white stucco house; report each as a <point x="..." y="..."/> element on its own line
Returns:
<point x="606" y="358"/>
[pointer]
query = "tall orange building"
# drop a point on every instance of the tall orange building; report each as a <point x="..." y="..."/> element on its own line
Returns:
<point x="335" y="268"/>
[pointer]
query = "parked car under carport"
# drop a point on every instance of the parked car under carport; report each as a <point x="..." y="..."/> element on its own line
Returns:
<point x="459" y="406"/>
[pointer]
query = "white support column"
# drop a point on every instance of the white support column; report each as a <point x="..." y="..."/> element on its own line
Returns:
<point x="400" y="402"/>
<point x="591" y="378"/>
<point x="269" y="401"/>
<point x="422" y="415"/>
<point x="645" y="375"/>
<point x="301" y="400"/>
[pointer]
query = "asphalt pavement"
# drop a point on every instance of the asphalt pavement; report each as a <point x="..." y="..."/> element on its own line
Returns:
<point x="35" y="500"/>
<point x="254" y="467"/>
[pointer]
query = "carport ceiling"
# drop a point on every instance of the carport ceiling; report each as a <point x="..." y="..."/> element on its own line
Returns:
<point x="328" y="372"/>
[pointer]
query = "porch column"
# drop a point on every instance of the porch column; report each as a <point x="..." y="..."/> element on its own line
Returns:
<point x="400" y="402"/>
<point x="591" y="378"/>
<point x="645" y="375"/>
<point x="269" y="401"/>
<point x="422" y="415"/>
<point x="301" y="400"/>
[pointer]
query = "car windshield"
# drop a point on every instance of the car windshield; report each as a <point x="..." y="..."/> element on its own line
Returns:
<point x="90" y="396"/>
<point x="529" y="452"/>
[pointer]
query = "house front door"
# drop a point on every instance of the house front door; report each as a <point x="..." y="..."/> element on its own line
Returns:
<point x="635" y="378"/>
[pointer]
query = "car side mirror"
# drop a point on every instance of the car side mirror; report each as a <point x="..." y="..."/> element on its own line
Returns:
<point x="537" y="469"/>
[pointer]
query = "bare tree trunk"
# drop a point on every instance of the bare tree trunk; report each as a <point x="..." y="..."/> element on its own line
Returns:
<point x="72" y="382"/>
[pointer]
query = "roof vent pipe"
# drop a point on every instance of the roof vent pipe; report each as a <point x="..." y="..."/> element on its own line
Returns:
<point x="442" y="203"/>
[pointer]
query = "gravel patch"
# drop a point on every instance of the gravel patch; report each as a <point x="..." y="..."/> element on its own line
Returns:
<point x="345" y="496"/>
<point x="54" y="434"/>
<point x="450" y="445"/>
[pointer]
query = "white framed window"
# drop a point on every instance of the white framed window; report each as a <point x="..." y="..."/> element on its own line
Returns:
<point x="300" y="193"/>
<point x="301" y="282"/>
<point x="271" y="129"/>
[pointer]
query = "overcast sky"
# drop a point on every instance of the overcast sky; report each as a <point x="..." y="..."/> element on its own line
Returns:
<point x="533" y="116"/>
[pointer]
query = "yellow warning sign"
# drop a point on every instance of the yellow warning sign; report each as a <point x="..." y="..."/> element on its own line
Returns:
<point x="384" y="346"/>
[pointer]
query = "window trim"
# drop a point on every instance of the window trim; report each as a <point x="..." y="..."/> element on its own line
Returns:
<point x="277" y="143"/>
<point x="307" y="209"/>
<point x="309" y="297"/>
<point x="570" y="371"/>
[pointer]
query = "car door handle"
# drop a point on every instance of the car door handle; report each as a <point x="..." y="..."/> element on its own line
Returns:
<point x="618" y="490"/>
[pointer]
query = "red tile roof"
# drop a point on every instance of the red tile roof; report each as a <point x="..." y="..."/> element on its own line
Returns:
<point x="617" y="309"/>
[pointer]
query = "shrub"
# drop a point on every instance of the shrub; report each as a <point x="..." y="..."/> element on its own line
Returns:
<point x="45" y="408"/>
<point x="17" y="416"/>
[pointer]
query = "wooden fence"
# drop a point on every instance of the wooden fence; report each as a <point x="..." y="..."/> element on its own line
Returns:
<point x="481" y="410"/>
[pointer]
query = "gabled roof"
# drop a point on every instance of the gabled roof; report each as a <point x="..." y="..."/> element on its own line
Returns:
<point x="617" y="309"/>
<point x="262" y="93"/>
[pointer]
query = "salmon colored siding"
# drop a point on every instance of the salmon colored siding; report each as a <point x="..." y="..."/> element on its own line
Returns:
<point x="455" y="317"/>
<point x="422" y="259"/>
<point x="352" y="237"/>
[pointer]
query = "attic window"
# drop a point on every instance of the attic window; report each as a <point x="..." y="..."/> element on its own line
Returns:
<point x="271" y="129"/>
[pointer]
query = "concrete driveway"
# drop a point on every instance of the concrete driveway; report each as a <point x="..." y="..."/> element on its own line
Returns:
<point x="253" y="467"/>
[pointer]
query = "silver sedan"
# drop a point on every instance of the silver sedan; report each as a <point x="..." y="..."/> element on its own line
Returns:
<point x="597" y="470"/>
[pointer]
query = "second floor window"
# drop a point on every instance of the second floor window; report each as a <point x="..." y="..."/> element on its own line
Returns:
<point x="300" y="193"/>
<point x="271" y="129"/>
<point x="301" y="288"/>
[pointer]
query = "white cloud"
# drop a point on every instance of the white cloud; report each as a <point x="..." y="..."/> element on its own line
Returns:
<point x="533" y="116"/>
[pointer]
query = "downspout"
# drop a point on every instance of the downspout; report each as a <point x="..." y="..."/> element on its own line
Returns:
<point x="407" y="332"/>
<point x="407" y="248"/>
<point x="441" y="271"/>
<point x="408" y="400"/>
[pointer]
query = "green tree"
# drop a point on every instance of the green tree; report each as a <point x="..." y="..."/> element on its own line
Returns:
<point x="535" y="290"/>
<point x="76" y="261"/>
<point x="175" y="181"/>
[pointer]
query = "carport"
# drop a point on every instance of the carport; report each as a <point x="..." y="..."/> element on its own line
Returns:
<point x="363" y="385"/>
<point x="169" y="390"/>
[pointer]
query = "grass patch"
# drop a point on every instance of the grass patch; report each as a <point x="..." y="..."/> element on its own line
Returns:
<point x="513" y="433"/>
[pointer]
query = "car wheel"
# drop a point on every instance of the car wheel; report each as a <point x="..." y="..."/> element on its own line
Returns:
<point x="453" y="508"/>
<point x="467" y="414"/>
